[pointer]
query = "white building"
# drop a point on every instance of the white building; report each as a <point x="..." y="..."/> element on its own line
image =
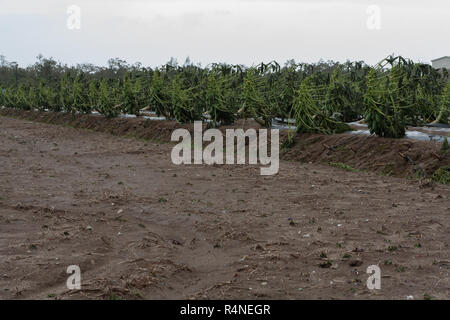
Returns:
<point x="440" y="63"/>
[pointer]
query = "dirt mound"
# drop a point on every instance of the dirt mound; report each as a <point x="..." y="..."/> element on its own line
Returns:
<point x="133" y="127"/>
<point x="395" y="157"/>
<point x="140" y="127"/>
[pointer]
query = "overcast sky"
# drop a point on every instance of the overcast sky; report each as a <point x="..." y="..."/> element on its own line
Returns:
<point x="244" y="32"/>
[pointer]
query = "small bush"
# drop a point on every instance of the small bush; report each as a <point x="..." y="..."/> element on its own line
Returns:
<point x="445" y="146"/>
<point x="442" y="175"/>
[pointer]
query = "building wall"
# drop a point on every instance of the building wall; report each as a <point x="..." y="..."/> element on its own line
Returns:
<point x="442" y="63"/>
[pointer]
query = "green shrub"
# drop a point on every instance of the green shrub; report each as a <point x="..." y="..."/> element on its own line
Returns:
<point x="444" y="146"/>
<point x="442" y="175"/>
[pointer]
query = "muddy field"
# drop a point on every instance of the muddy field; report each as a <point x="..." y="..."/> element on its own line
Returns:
<point x="140" y="227"/>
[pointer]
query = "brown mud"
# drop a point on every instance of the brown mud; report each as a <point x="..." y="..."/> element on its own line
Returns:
<point x="393" y="157"/>
<point x="140" y="227"/>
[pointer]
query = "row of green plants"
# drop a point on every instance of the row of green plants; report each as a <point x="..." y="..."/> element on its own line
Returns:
<point x="404" y="94"/>
<point x="319" y="97"/>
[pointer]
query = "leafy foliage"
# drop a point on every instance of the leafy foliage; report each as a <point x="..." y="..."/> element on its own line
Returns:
<point x="310" y="113"/>
<point x="442" y="175"/>
<point x="320" y="97"/>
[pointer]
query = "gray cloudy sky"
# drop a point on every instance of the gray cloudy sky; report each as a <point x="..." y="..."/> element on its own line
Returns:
<point x="246" y="31"/>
